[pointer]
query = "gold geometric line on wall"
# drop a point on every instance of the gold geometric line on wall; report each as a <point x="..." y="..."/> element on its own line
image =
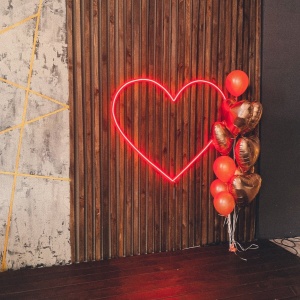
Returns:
<point x="34" y="176"/>
<point x="18" y="23"/>
<point x="49" y="98"/>
<point x="13" y="83"/>
<point x="15" y="174"/>
<point x="33" y="120"/>
<point x="33" y="92"/>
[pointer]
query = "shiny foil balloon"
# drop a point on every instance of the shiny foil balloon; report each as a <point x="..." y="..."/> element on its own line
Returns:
<point x="246" y="152"/>
<point x="222" y="138"/>
<point x="241" y="116"/>
<point x="244" y="188"/>
<point x="256" y="113"/>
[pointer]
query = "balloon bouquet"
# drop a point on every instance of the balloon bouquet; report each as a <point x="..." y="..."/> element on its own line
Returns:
<point x="237" y="184"/>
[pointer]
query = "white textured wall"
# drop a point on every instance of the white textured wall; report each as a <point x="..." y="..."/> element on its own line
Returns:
<point x="34" y="134"/>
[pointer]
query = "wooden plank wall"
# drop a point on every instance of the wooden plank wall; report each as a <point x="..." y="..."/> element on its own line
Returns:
<point x="120" y="206"/>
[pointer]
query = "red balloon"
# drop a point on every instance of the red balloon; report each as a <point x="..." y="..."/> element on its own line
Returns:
<point x="237" y="82"/>
<point x="224" y="167"/>
<point x="224" y="203"/>
<point x="218" y="186"/>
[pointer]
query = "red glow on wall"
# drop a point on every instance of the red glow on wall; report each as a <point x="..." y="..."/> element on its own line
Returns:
<point x="172" y="98"/>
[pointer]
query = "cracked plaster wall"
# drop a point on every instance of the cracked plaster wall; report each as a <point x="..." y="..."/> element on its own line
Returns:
<point x="34" y="134"/>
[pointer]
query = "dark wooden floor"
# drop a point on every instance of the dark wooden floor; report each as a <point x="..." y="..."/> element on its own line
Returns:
<point x="201" y="273"/>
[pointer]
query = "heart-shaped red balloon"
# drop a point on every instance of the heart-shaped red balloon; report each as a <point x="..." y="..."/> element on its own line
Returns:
<point x="161" y="88"/>
<point x="241" y="116"/>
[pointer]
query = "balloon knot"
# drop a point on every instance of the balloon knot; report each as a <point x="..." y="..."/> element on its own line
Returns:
<point x="232" y="248"/>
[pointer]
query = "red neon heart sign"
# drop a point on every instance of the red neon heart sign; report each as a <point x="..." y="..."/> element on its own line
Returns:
<point x="172" y="98"/>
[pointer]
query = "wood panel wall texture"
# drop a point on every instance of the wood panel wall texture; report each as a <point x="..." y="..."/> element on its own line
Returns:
<point x="120" y="206"/>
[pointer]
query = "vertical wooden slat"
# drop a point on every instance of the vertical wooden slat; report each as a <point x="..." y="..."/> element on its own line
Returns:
<point x="239" y="65"/>
<point x="93" y="133"/>
<point x="101" y="68"/>
<point x="120" y="162"/>
<point x="157" y="122"/>
<point x="214" y="103"/>
<point x="257" y="53"/>
<point x="112" y="62"/>
<point x="199" y="119"/>
<point x="97" y="133"/>
<point x="136" y="108"/>
<point x="219" y="231"/>
<point x="73" y="196"/>
<point x="129" y="154"/>
<point x="245" y="15"/>
<point x="87" y="128"/>
<point x="178" y="113"/>
<point x="143" y="126"/>
<point x="165" y="60"/>
<point x="121" y="206"/>
<point x="205" y="123"/>
<point x="151" y="112"/>
<point x="84" y="175"/>
<point x="80" y="201"/>
<point x="255" y="83"/>
<point x="185" y="121"/>
<point x="193" y="132"/>
<point x="105" y="124"/>
<point x="172" y="122"/>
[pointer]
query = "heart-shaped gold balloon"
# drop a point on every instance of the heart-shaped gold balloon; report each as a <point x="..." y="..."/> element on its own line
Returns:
<point x="246" y="152"/>
<point x="222" y="138"/>
<point x="244" y="188"/>
<point x="241" y="116"/>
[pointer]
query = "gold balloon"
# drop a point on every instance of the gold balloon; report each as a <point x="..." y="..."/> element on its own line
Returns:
<point x="244" y="188"/>
<point x="222" y="138"/>
<point x="238" y="171"/>
<point x="241" y="116"/>
<point x="246" y="152"/>
<point x="251" y="170"/>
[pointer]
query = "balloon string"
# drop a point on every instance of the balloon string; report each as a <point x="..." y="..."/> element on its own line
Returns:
<point x="235" y="246"/>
